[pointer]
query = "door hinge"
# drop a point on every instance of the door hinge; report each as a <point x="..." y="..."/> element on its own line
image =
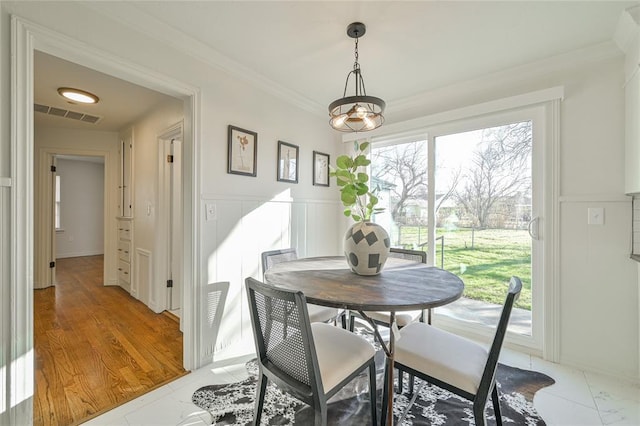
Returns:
<point x="169" y="283"/>
<point x="169" y="158"/>
<point x="52" y="264"/>
<point x="53" y="168"/>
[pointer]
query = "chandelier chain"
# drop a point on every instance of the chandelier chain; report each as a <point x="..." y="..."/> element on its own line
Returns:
<point x="356" y="65"/>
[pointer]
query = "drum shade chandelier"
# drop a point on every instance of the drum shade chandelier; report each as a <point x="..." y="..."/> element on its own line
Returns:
<point x="358" y="113"/>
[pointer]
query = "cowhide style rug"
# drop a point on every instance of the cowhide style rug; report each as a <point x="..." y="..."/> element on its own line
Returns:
<point x="232" y="404"/>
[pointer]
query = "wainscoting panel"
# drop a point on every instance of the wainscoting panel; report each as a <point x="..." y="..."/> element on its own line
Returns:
<point x="141" y="280"/>
<point x="233" y="240"/>
<point x="213" y="298"/>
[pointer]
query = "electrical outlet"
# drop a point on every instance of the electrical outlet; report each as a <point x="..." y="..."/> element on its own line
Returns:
<point x="210" y="213"/>
<point x="595" y="216"/>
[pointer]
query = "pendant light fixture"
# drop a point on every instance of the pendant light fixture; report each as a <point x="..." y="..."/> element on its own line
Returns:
<point x="357" y="113"/>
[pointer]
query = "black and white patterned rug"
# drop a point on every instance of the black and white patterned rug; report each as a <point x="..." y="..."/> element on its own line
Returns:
<point x="232" y="404"/>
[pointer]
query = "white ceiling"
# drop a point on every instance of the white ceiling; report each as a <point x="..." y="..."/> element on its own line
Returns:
<point x="120" y="102"/>
<point x="409" y="48"/>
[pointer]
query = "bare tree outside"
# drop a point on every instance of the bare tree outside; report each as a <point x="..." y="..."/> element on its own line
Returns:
<point x="499" y="171"/>
<point x="405" y="166"/>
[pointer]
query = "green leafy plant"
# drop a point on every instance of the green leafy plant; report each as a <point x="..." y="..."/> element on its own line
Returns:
<point x="358" y="199"/>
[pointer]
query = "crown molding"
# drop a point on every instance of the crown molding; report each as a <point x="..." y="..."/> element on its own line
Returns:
<point x="563" y="62"/>
<point x="627" y="28"/>
<point x="134" y="18"/>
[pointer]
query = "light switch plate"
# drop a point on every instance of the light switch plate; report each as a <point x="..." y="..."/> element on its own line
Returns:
<point x="596" y="215"/>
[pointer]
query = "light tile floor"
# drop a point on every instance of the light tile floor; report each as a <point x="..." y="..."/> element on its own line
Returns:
<point x="576" y="399"/>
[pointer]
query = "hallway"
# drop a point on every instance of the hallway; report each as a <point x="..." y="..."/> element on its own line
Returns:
<point x="96" y="347"/>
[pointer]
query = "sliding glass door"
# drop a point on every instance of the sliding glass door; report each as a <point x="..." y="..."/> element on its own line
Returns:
<point x="467" y="195"/>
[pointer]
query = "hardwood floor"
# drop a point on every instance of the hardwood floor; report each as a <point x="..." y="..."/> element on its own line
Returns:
<point x="96" y="347"/>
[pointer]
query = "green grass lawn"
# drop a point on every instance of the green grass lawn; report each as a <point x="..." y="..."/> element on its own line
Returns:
<point x="486" y="264"/>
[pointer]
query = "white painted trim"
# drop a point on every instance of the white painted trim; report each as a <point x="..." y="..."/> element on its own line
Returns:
<point x="21" y="372"/>
<point x="43" y="155"/>
<point x="79" y="254"/>
<point x="595" y="198"/>
<point x="140" y="21"/>
<point x="537" y="111"/>
<point x="551" y="228"/>
<point x="5" y="182"/>
<point x="571" y="60"/>
<point x="26" y="37"/>
<point x="420" y="124"/>
<point x="73" y="50"/>
<point x="289" y="200"/>
<point x="162" y="222"/>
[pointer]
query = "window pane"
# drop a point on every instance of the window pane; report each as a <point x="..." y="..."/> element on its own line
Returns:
<point x="400" y="174"/>
<point x="483" y="207"/>
<point x="57" y="203"/>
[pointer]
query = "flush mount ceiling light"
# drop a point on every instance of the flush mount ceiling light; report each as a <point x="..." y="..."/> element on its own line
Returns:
<point x="358" y="113"/>
<point x="77" y="95"/>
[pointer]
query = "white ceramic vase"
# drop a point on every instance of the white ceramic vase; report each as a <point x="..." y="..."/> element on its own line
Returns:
<point x="366" y="248"/>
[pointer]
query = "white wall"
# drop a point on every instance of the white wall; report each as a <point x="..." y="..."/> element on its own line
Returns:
<point x="598" y="298"/>
<point x="146" y="131"/>
<point x="597" y="282"/>
<point x="81" y="208"/>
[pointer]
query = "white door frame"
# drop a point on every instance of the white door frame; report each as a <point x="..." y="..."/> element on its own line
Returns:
<point x="537" y="114"/>
<point x="549" y="101"/>
<point x="168" y="247"/>
<point x="27" y="37"/>
<point x="46" y="231"/>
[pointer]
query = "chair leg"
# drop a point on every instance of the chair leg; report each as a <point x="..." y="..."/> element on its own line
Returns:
<point x="496" y="405"/>
<point x="373" y="395"/>
<point x="352" y="322"/>
<point x="260" y="392"/>
<point x="400" y="377"/>
<point x="478" y="413"/>
<point x="320" y="418"/>
<point x="343" y="318"/>
<point x="385" y="394"/>
<point x="412" y="380"/>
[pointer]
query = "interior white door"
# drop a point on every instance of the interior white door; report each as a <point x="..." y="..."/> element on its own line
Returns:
<point x="169" y="229"/>
<point x="175" y="225"/>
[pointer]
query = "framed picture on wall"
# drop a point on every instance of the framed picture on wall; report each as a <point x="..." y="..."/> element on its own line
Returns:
<point x="320" y="168"/>
<point x="287" y="162"/>
<point x="243" y="151"/>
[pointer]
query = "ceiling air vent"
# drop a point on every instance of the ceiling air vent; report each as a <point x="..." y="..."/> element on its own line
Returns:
<point x="72" y="115"/>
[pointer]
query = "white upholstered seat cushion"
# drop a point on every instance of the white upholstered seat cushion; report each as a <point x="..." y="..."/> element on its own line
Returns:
<point x="319" y="313"/>
<point x="340" y="353"/>
<point x="445" y="356"/>
<point x="403" y="318"/>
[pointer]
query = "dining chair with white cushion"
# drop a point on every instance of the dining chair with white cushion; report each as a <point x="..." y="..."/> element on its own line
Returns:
<point x="317" y="313"/>
<point x="311" y="361"/>
<point x="454" y="363"/>
<point x="403" y="318"/>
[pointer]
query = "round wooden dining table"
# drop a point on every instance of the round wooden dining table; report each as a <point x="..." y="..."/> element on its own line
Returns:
<point x="403" y="285"/>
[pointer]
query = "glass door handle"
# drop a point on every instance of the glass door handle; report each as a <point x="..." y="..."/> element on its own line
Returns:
<point x="532" y="227"/>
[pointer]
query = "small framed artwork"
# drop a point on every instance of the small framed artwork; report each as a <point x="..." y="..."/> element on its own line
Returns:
<point x="243" y="151"/>
<point x="320" y="169"/>
<point x="287" y="162"/>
